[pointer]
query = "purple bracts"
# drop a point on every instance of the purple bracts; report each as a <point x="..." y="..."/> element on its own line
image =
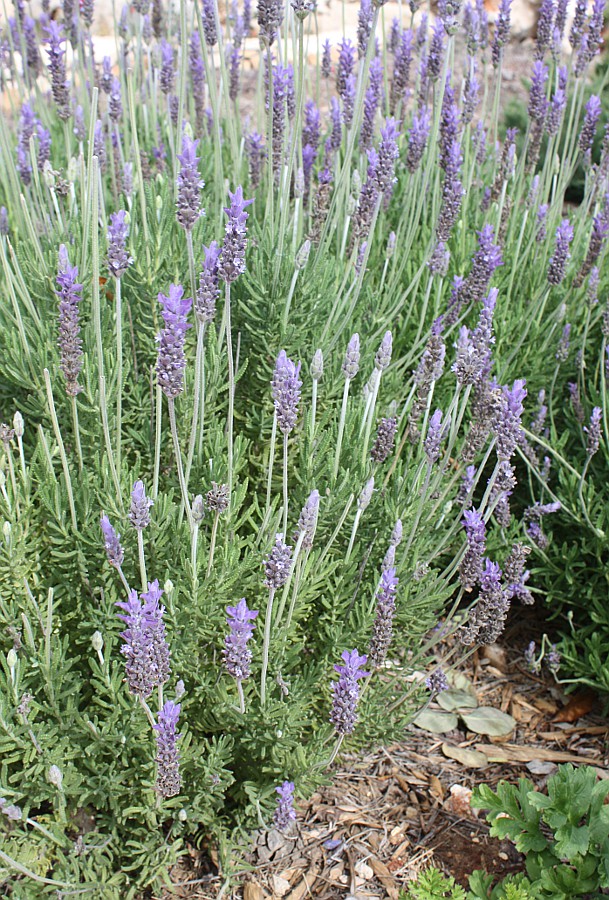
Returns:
<point x="189" y="185"/>
<point x="167" y="76"/>
<point x="209" y="22"/>
<point x="307" y="521"/>
<point x="208" y="290"/>
<point x="382" y="630"/>
<point x="564" y="236"/>
<point x="254" y="144"/>
<point x="70" y="343"/>
<point x="115" y="105"/>
<point x="286" y="386"/>
<point x="139" y="510"/>
<point x="385" y="439"/>
<point x="435" y="432"/>
<point x="232" y="256"/>
<point x="145" y="646"/>
<point x="419" y="133"/>
<point x="112" y="543"/>
<point x="364" y="26"/>
<point x="277" y="565"/>
<point x="508" y="428"/>
<point x="118" y="258"/>
<point x="345" y="691"/>
<point x="383" y="354"/>
<point x="168" y="779"/>
<point x="285" y="816"/>
<point x="326" y="60"/>
<point x="171" y="361"/>
<point x="471" y="564"/>
<point x="237" y="655"/>
<point x="502" y="31"/>
<point x="488" y="616"/>
<point x="372" y="102"/>
<point x="538" y="104"/>
<point x="387" y="155"/>
<point x="486" y="259"/>
<point x="346" y="63"/>
<point x="401" y="71"/>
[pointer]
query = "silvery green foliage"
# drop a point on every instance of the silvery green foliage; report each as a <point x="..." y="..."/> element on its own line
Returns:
<point x="151" y="384"/>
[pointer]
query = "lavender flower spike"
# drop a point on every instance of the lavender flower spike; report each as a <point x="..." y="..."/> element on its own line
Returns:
<point x="286" y="386"/>
<point x="593" y="430"/>
<point x="112" y="544"/>
<point x="237" y="655"/>
<point x="145" y="646"/>
<point x="383" y="354"/>
<point x="385" y="440"/>
<point x="171" y="361"/>
<point x="118" y="258"/>
<point x="189" y="185"/>
<point x="70" y="343"/>
<point x="278" y="564"/>
<point x="232" y="257"/>
<point x="139" y="514"/>
<point x="470" y="569"/>
<point x="208" y="291"/>
<point x="168" y="779"/>
<point x="285" y="815"/>
<point x="382" y="630"/>
<point x="307" y="521"/>
<point x="564" y="236"/>
<point x="345" y="691"/>
<point x="351" y="362"/>
<point x="593" y="113"/>
<point x="57" y="66"/>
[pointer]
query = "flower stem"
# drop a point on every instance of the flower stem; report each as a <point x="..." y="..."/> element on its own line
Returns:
<point x="231" y="388"/>
<point x="176" y="445"/>
<point x="265" y="647"/>
<point x="212" y="543"/>
<point x="142" y="558"/>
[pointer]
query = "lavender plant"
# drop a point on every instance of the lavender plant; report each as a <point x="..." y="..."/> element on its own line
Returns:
<point x="133" y="397"/>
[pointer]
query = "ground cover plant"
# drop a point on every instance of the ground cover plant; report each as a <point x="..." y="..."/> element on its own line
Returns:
<point x="263" y="391"/>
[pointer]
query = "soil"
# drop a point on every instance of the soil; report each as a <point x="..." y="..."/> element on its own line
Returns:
<point x="390" y="813"/>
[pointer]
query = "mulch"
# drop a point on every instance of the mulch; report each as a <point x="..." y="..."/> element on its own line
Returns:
<point x="390" y="813"/>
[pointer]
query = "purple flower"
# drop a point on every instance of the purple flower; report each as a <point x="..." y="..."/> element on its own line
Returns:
<point x="115" y="105"/>
<point x="436" y="51"/>
<point x="418" y="135"/>
<point x="70" y="343"/>
<point x="502" y="31"/>
<point x="326" y="60"/>
<point x="197" y="73"/>
<point x="270" y="17"/>
<point x="364" y="26"/>
<point x="538" y="104"/>
<point x="145" y="646"/>
<point x="139" y="514"/>
<point x="189" y="185"/>
<point x="209" y="22"/>
<point x="470" y="569"/>
<point x="350" y="366"/>
<point x="552" y="659"/>
<point x="346" y="62"/>
<point x="345" y="691"/>
<point x="485" y="261"/>
<point x="286" y="386"/>
<point x="254" y="144"/>
<point x="545" y="27"/>
<point x="171" y="360"/>
<point x="168" y="779"/>
<point x="382" y="630"/>
<point x="112" y="544"/>
<point x="285" y="815"/>
<point x="466" y="487"/>
<point x="106" y="76"/>
<point x="208" y="290"/>
<point x="277" y="565"/>
<point x="237" y="655"/>
<point x="57" y="66"/>
<point x="488" y="617"/>
<point x="435" y="433"/>
<point x="372" y="102"/>
<point x="401" y="71"/>
<point x="598" y="238"/>
<point x="593" y="113"/>
<point x="99" y="145"/>
<point x="556" y="111"/>
<point x="562" y="351"/>
<point x="44" y="146"/>
<point x="385" y="440"/>
<point x="542" y="213"/>
<point x="232" y="257"/>
<point x="167" y="76"/>
<point x="307" y="521"/>
<point x="564" y="236"/>
<point x="388" y="153"/>
<point x="515" y="576"/>
<point x="593" y="430"/>
<point x="118" y="258"/>
<point x="508" y="427"/>
<point x="436" y="682"/>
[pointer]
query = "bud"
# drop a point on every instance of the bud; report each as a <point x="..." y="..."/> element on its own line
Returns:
<point x="299" y="183"/>
<point x="168" y="587"/>
<point x="97" y="641"/>
<point x="55" y="776"/>
<point x="302" y="257"/>
<point x="351" y="205"/>
<point x="180" y="690"/>
<point x="6" y="530"/>
<point x="317" y="365"/>
<point x="48" y="174"/>
<point x="72" y="171"/>
<point x="187" y="130"/>
<point x="18" y="424"/>
<point x="158" y="203"/>
<point x="198" y="509"/>
<point x="11" y="658"/>
<point x="366" y="495"/>
<point x="356" y="183"/>
<point x="182" y="815"/>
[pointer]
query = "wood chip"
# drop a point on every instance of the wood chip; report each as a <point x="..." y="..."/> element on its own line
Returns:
<point x="384" y="876"/>
<point x="253" y="891"/>
<point x="511" y="753"/>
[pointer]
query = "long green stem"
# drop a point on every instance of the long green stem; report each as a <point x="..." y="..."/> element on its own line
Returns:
<point x="265" y="646"/>
<point x="176" y="447"/>
<point x="62" y="450"/>
<point x="341" y="429"/>
<point x="212" y="543"/>
<point x="231" y="388"/>
<point x="119" y="370"/>
<point x="142" y="558"/>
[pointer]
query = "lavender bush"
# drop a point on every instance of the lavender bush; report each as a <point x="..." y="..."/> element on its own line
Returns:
<point x="265" y="404"/>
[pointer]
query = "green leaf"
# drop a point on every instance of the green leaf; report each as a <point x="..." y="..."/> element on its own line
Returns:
<point x="435" y="721"/>
<point x="487" y="720"/>
<point x="454" y="698"/>
<point x="473" y="759"/>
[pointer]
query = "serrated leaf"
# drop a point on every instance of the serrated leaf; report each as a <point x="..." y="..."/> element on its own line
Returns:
<point x="436" y="721"/>
<point x="487" y="720"/>
<point x="473" y="759"/>
<point x="454" y="698"/>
